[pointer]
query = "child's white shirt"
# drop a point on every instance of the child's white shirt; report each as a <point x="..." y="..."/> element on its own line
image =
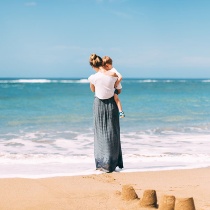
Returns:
<point x="116" y="72"/>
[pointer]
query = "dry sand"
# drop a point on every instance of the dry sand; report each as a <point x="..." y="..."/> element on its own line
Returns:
<point x="103" y="191"/>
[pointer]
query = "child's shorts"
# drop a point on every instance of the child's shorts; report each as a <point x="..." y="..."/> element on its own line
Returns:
<point x="116" y="91"/>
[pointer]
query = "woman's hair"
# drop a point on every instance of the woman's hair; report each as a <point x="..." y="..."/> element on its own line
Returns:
<point x="107" y="60"/>
<point x="95" y="61"/>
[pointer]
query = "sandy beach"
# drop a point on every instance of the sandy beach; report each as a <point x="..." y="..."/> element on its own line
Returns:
<point x="103" y="191"/>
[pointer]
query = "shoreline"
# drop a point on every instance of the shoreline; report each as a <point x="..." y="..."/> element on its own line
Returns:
<point x="89" y="172"/>
<point x="103" y="191"/>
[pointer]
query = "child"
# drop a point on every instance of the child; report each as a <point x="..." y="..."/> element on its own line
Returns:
<point x="107" y="64"/>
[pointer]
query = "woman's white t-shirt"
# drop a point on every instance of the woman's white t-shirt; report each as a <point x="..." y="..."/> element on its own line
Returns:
<point x="104" y="85"/>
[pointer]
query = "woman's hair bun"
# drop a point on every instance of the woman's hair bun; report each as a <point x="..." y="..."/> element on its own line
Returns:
<point x="93" y="56"/>
<point x="95" y="60"/>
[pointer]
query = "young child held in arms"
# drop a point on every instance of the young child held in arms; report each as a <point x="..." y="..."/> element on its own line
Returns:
<point x="107" y="64"/>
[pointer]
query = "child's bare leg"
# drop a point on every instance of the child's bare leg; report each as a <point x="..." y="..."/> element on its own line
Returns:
<point x="117" y="100"/>
<point x="119" y="105"/>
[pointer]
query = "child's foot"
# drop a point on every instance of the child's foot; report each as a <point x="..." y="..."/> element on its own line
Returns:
<point x="121" y="114"/>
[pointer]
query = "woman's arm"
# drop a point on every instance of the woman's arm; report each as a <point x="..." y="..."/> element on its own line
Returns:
<point x="114" y="74"/>
<point x="92" y="87"/>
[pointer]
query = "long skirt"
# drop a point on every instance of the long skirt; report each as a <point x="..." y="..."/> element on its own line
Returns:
<point x="107" y="145"/>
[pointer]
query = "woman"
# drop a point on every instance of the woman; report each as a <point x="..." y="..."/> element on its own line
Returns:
<point x="107" y="146"/>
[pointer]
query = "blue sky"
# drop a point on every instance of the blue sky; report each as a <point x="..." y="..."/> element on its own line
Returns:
<point x="145" y="38"/>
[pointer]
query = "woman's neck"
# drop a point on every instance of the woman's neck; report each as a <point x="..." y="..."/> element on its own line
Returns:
<point x="102" y="70"/>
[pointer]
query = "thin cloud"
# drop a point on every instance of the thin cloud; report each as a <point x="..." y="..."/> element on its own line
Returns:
<point x="30" y="4"/>
<point x="197" y="61"/>
<point x="121" y="14"/>
<point x="116" y="13"/>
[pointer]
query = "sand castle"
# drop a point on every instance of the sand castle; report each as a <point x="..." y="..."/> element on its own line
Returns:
<point x="149" y="200"/>
<point x="128" y="193"/>
<point x="184" y="204"/>
<point x="167" y="202"/>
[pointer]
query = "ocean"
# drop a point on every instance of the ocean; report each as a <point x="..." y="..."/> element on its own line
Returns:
<point x="46" y="126"/>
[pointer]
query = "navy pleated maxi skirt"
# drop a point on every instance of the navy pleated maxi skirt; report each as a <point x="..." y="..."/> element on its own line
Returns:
<point x="107" y="145"/>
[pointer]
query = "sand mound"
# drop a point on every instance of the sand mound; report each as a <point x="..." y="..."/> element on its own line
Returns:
<point x="167" y="202"/>
<point x="128" y="193"/>
<point x="149" y="199"/>
<point x="184" y="204"/>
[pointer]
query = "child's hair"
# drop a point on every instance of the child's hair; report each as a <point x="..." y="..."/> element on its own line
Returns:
<point x="107" y="60"/>
<point x="95" y="60"/>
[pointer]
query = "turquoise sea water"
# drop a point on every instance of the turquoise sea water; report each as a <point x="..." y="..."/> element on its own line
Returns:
<point x="46" y="125"/>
